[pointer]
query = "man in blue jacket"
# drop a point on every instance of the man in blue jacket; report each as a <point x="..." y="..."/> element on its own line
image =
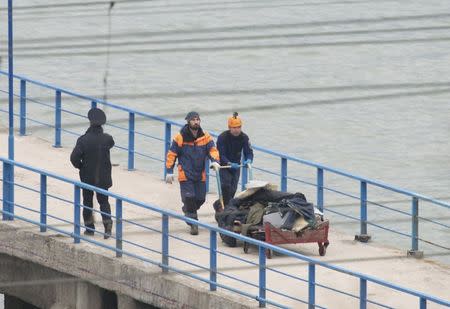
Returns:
<point x="231" y="144"/>
<point x="191" y="146"/>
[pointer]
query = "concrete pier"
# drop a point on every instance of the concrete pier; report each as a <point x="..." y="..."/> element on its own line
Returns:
<point x="86" y="276"/>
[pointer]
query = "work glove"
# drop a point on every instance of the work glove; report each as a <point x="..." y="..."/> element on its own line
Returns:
<point x="248" y="163"/>
<point x="215" y="166"/>
<point x="234" y="166"/>
<point x="169" y="178"/>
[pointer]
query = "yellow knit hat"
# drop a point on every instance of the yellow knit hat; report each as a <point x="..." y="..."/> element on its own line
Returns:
<point x="234" y="121"/>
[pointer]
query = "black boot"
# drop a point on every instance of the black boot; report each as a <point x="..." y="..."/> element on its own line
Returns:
<point x="108" y="229"/>
<point x="89" y="232"/>
<point x="89" y="224"/>
<point x="194" y="229"/>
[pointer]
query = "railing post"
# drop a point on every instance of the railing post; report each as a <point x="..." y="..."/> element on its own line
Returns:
<point x="23" y="107"/>
<point x="423" y="303"/>
<point x="93" y="104"/>
<point x="414" y="252"/>
<point x="167" y="140"/>
<point x="10" y="84"/>
<point x="311" y="286"/>
<point x="8" y="191"/>
<point x="363" y="236"/>
<point x="207" y="172"/>
<point x="10" y="179"/>
<point x="362" y="293"/>
<point x="5" y="216"/>
<point x="43" y="203"/>
<point x="283" y="174"/>
<point x="213" y="261"/>
<point x="119" y="228"/>
<point x="244" y="177"/>
<point x="131" y="142"/>
<point x="76" y="215"/>
<point x="320" y="189"/>
<point x="262" y="277"/>
<point x="57" y="119"/>
<point x="165" y="243"/>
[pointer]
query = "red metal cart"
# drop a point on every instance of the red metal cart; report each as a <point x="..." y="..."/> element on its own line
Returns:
<point x="276" y="236"/>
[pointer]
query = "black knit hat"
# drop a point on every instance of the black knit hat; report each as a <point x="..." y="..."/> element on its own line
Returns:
<point x="192" y="115"/>
<point x="96" y="116"/>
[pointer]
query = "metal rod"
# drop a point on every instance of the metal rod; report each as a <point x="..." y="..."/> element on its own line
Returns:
<point x="165" y="243"/>
<point x="213" y="260"/>
<point x="423" y="303"/>
<point x="283" y="174"/>
<point x="207" y="162"/>
<point x="76" y="215"/>
<point x="119" y="227"/>
<point x="320" y="189"/>
<point x="6" y="191"/>
<point x="415" y="224"/>
<point x="311" y="285"/>
<point x="43" y="203"/>
<point x="167" y="136"/>
<point x="363" y="214"/>
<point x="131" y="142"/>
<point x="362" y="293"/>
<point x="244" y="177"/>
<point x="262" y="277"/>
<point x="10" y="82"/>
<point x="57" y="119"/>
<point x="23" y="107"/>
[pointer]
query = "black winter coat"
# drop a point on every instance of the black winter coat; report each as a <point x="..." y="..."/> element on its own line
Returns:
<point x="91" y="156"/>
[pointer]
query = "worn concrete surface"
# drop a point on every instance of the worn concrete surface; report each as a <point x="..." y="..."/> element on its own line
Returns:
<point x="136" y="278"/>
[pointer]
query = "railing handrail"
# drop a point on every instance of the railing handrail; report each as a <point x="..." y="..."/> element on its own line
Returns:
<point x="228" y="233"/>
<point x="259" y="148"/>
<point x="81" y="96"/>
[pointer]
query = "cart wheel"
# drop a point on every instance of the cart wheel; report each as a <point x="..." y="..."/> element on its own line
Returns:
<point x="245" y="247"/>
<point x="268" y="253"/>
<point x="322" y="249"/>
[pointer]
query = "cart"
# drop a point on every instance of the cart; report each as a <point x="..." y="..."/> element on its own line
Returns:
<point x="276" y="236"/>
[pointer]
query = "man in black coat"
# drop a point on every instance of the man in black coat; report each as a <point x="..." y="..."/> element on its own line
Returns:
<point x="91" y="156"/>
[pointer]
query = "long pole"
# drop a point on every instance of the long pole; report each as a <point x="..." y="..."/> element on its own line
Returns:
<point x="9" y="181"/>
<point x="10" y="83"/>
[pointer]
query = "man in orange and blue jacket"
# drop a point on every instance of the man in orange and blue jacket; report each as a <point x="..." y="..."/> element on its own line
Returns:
<point x="191" y="146"/>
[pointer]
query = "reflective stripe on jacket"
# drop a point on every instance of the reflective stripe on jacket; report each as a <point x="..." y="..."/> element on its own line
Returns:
<point x="191" y="153"/>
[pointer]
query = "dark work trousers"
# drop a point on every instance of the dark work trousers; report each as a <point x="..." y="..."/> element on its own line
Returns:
<point x="88" y="197"/>
<point x="229" y="180"/>
<point x="193" y="195"/>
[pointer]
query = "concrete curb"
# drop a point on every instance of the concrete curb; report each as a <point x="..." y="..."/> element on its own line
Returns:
<point x="126" y="276"/>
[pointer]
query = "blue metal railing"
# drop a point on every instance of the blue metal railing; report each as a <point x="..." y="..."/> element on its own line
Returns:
<point x="283" y="158"/>
<point x="165" y="257"/>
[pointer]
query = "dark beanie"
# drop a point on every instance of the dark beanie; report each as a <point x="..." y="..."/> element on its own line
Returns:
<point x="192" y="115"/>
<point x="96" y="117"/>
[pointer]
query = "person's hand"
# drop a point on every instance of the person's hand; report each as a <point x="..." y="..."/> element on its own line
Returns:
<point x="248" y="163"/>
<point x="215" y="166"/>
<point x="234" y="166"/>
<point x="169" y="178"/>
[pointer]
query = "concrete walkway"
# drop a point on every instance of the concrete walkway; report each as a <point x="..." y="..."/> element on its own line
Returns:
<point x="374" y="259"/>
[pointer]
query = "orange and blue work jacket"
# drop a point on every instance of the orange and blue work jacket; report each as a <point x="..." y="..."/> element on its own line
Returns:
<point x="191" y="153"/>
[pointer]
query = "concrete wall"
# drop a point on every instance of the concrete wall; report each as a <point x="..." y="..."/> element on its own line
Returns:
<point x="75" y="276"/>
<point x="46" y="288"/>
<point x="12" y="302"/>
